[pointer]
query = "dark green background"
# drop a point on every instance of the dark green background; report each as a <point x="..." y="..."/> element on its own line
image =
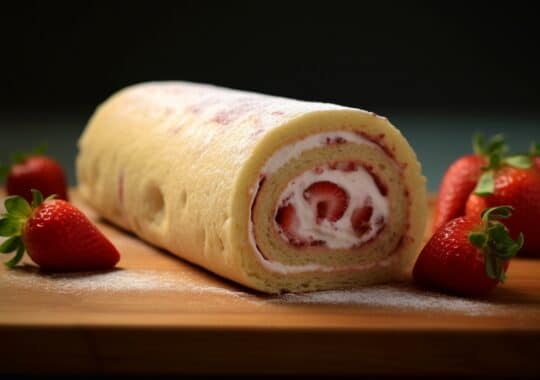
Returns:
<point x="439" y="71"/>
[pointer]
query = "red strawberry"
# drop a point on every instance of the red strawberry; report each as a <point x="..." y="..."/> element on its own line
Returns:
<point x="361" y="217"/>
<point x="475" y="205"/>
<point x="519" y="188"/>
<point x="329" y="200"/>
<point x="36" y="172"/>
<point x="287" y="219"/>
<point x="56" y="235"/>
<point x="461" y="177"/>
<point x="468" y="255"/>
<point x="458" y="182"/>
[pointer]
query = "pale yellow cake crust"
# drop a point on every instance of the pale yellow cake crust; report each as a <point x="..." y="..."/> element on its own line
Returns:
<point x="176" y="163"/>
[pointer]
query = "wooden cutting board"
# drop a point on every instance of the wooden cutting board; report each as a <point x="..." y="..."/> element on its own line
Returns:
<point x="158" y="314"/>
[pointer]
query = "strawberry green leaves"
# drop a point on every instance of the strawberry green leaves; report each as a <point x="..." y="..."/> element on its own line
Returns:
<point x="18" y="207"/>
<point x="496" y="145"/>
<point x="486" y="184"/>
<point x="18" y="211"/>
<point x="495" y="152"/>
<point x="18" y="255"/>
<point x="14" y="243"/>
<point x="495" y="241"/>
<point x="10" y="244"/>
<point x="520" y="161"/>
<point x="11" y="224"/>
<point x="478" y="239"/>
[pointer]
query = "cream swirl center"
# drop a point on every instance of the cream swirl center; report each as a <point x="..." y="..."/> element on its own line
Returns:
<point x="359" y="214"/>
<point x="280" y="158"/>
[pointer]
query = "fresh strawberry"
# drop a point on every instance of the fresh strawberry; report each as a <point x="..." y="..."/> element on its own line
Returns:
<point x="461" y="177"/>
<point x="56" y="235"/>
<point x="458" y="182"/>
<point x="468" y="255"/>
<point x="475" y="205"/>
<point x="288" y="221"/>
<point x="328" y="200"/>
<point x="361" y="216"/>
<point x="35" y="171"/>
<point x="518" y="187"/>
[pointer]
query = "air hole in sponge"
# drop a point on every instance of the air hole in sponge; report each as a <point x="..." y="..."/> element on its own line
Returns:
<point x="153" y="204"/>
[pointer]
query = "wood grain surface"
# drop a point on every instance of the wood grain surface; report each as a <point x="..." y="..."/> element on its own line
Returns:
<point x="158" y="314"/>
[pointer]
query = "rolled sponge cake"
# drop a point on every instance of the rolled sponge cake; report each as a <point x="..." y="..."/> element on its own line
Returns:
<point x="276" y="194"/>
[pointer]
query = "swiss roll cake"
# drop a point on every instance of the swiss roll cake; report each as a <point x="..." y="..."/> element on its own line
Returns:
<point x="279" y="195"/>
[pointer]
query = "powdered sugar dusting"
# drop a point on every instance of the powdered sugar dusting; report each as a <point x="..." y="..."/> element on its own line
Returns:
<point x="113" y="281"/>
<point x="403" y="296"/>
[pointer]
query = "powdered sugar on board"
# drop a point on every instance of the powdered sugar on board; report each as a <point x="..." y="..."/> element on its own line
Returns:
<point x="112" y="281"/>
<point x="396" y="296"/>
<point x="401" y="296"/>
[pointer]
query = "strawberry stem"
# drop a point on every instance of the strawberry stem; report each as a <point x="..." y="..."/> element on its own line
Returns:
<point x="495" y="241"/>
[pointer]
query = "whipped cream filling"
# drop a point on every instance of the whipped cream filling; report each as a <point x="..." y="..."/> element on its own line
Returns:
<point x="361" y="189"/>
<point x="292" y="151"/>
<point x="359" y="184"/>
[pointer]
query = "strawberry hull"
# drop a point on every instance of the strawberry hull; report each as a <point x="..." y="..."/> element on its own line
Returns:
<point x="276" y="194"/>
